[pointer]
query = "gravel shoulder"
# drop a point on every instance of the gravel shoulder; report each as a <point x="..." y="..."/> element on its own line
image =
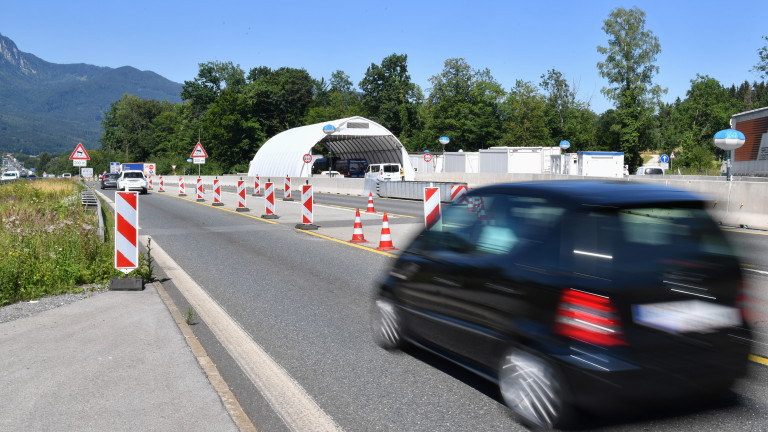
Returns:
<point x="27" y="308"/>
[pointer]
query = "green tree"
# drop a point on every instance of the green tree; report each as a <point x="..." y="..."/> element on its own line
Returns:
<point x="629" y="67"/>
<point x="525" y="117"/>
<point x="212" y="78"/>
<point x="389" y="97"/>
<point x="762" y="64"/>
<point x="279" y="99"/>
<point x="127" y="126"/>
<point x="232" y="135"/>
<point x="463" y="104"/>
<point x="333" y="100"/>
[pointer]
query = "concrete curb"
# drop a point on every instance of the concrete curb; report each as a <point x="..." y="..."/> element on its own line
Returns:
<point x="229" y="400"/>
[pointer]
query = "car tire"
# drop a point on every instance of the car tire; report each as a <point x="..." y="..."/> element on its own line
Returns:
<point x="386" y="324"/>
<point x="534" y="390"/>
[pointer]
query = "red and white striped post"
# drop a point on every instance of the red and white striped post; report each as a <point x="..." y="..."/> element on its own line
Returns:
<point x="269" y="201"/>
<point x="257" y="186"/>
<point x="126" y="231"/>
<point x="217" y="193"/>
<point x="182" y="190"/>
<point x="432" y="208"/>
<point x="287" y="190"/>
<point x="200" y="190"/>
<point x="241" y="196"/>
<point x="458" y="192"/>
<point x="162" y="185"/>
<point x="307" y="210"/>
<point x="149" y="180"/>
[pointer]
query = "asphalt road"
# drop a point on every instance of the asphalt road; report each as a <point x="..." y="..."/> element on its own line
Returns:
<point x="304" y="300"/>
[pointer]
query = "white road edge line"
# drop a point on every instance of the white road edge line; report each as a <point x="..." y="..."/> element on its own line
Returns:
<point x="286" y="396"/>
<point x="757" y="271"/>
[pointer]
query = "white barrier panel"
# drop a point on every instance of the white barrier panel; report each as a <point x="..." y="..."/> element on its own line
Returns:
<point x="241" y="196"/>
<point x="432" y="208"/>
<point x="200" y="190"/>
<point x="307" y="216"/>
<point x="126" y="231"/>
<point x="217" y="193"/>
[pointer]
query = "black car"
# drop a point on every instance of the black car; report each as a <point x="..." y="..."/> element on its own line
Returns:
<point x="574" y="295"/>
<point x="109" y="180"/>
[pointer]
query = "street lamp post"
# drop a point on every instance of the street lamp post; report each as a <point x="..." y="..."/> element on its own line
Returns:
<point x="729" y="140"/>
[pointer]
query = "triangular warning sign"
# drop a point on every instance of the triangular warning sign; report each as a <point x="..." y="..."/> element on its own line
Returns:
<point x="199" y="151"/>
<point x="79" y="153"/>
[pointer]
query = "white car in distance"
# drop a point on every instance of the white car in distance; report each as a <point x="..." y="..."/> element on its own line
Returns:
<point x="132" y="180"/>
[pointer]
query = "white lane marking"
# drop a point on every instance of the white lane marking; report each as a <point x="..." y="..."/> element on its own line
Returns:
<point x="757" y="271"/>
<point x="286" y="396"/>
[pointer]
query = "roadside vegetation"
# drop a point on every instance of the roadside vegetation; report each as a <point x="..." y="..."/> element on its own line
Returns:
<point x="48" y="243"/>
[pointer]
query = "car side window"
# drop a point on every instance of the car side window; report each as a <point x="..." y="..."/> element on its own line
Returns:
<point x="490" y="225"/>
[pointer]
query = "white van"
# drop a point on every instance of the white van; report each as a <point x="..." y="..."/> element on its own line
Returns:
<point x="649" y="170"/>
<point x="385" y="171"/>
<point x="10" y="175"/>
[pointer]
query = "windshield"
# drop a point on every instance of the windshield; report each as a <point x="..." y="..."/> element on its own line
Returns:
<point x="133" y="175"/>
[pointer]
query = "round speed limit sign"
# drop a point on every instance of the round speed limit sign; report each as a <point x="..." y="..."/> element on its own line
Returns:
<point x="307" y="158"/>
<point x="427" y="157"/>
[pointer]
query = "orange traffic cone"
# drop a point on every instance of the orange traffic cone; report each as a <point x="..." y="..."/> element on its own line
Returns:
<point x="357" y="233"/>
<point x="386" y="238"/>
<point x="370" y="203"/>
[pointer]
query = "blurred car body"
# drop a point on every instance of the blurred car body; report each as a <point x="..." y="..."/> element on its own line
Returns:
<point x="132" y="180"/>
<point x="109" y="180"/>
<point x="573" y="295"/>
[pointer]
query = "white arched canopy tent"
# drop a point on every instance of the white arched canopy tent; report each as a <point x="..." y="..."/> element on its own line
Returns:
<point x="354" y="138"/>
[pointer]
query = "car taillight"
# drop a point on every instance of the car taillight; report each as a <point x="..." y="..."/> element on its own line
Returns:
<point x="589" y="318"/>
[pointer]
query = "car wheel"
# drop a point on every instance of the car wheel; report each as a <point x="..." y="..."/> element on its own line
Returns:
<point x="386" y="325"/>
<point x="533" y="390"/>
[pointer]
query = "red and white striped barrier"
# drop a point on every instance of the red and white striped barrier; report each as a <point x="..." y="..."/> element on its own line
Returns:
<point x="370" y="208"/>
<point x="149" y="182"/>
<point x="307" y="213"/>
<point x="182" y="190"/>
<point x="458" y="192"/>
<point x="287" y="190"/>
<point x="217" y="193"/>
<point x="269" y="201"/>
<point x="357" y="229"/>
<point x="385" y="244"/>
<point x="432" y="208"/>
<point x="162" y="185"/>
<point x="257" y="186"/>
<point x="200" y="190"/>
<point x="307" y="209"/>
<point x="241" y="196"/>
<point x="126" y="231"/>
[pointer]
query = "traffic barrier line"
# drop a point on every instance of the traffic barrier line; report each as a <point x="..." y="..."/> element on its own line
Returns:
<point x="333" y="239"/>
<point x="757" y="359"/>
<point x="189" y="200"/>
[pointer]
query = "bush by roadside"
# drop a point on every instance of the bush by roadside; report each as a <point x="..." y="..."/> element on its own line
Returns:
<point x="48" y="242"/>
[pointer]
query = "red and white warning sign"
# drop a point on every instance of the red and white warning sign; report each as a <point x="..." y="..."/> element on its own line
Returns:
<point x="79" y="153"/>
<point x="432" y="208"/>
<point x="199" y="151"/>
<point x="126" y="231"/>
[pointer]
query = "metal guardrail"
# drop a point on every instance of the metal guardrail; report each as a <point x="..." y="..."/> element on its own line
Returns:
<point x="90" y="201"/>
<point x="413" y="189"/>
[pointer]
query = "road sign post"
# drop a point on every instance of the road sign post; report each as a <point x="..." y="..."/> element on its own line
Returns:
<point x="79" y="156"/>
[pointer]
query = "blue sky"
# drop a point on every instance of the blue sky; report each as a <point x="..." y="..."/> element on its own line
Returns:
<point x="513" y="39"/>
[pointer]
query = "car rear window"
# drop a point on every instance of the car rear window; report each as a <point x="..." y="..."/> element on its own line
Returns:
<point x="643" y="238"/>
<point x="133" y="175"/>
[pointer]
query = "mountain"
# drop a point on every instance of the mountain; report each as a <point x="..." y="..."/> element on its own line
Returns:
<point x="48" y="107"/>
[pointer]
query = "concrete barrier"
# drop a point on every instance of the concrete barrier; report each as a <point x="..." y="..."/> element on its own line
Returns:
<point x="741" y="202"/>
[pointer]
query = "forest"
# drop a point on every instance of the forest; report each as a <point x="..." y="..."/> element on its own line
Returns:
<point x="233" y="112"/>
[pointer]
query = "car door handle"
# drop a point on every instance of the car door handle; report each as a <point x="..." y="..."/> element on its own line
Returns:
<point x="446" y="282"/>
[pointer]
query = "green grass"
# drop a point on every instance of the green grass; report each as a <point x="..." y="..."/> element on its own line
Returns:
<point x="48" y="243"/>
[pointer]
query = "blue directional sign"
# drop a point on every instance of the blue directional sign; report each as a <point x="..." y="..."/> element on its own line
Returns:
<point x="664" y="158"/>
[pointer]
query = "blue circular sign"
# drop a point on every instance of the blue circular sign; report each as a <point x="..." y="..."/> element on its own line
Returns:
<point x="444" y="140"/>
<point x="664" y="158"/>
<point x="329" y="129"/>
<point x="189" y="159"/>
<point x="565" y="144"/>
